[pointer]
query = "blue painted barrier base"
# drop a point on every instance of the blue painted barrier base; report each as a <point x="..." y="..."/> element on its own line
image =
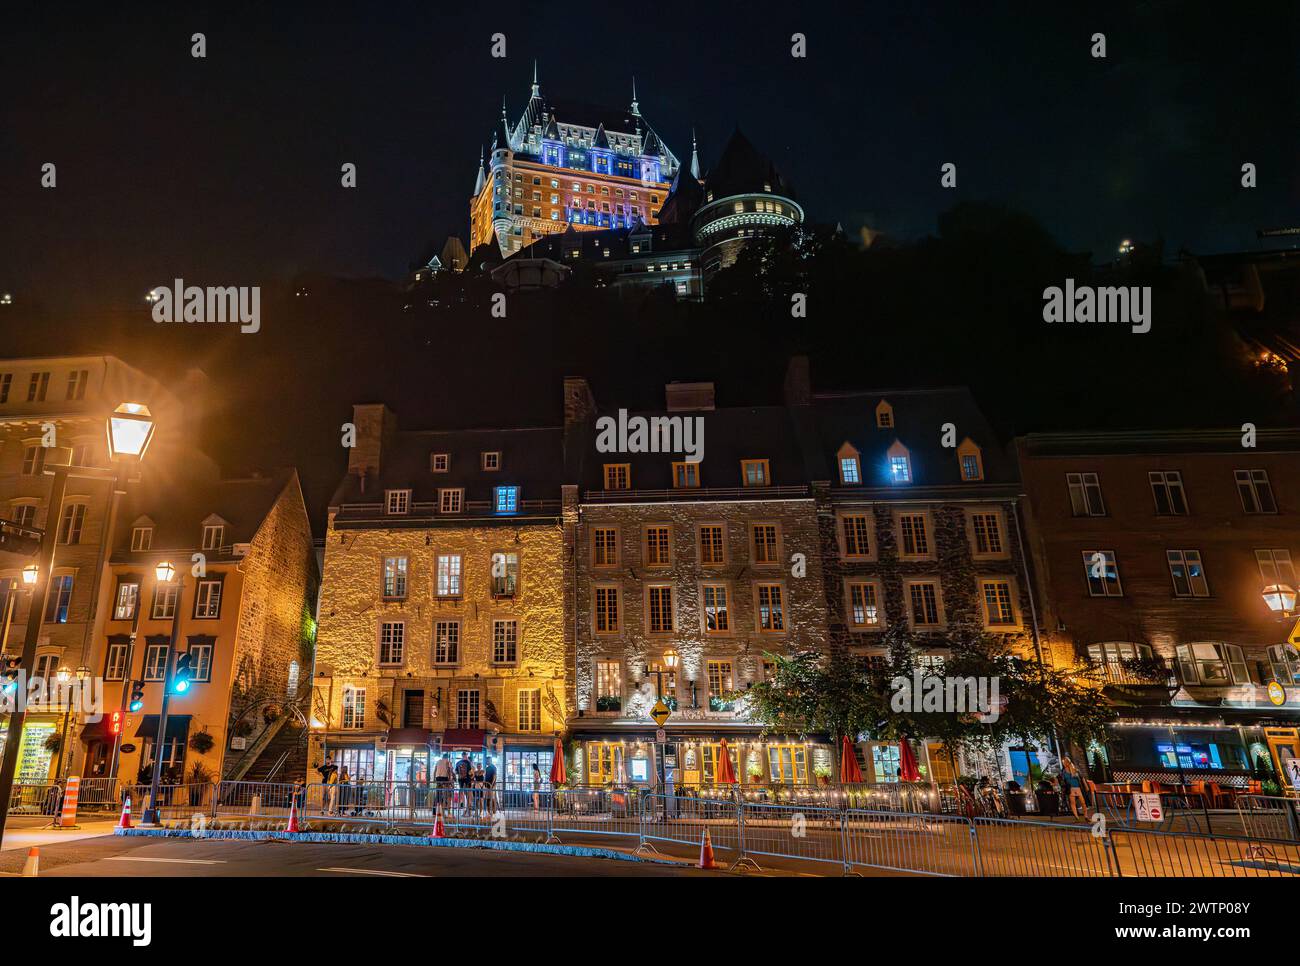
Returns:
<point x="357" y="838"/>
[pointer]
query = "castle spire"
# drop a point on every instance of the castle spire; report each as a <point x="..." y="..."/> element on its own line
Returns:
<point x="636" y="108"/>
<point x="537" y="91"/>
<point x="695" y="158"/>
<point x="482" y="175"/>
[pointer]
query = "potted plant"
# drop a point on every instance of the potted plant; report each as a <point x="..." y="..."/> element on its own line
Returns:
<point x="755" y="772"/>
<point x="823" y="774"/>
<point x="199" y="780"/>
<point x="202" y="742"/>
<point x="53" y="742"/>
<point x="243" y="728"/>
<point x="270" y="713"/>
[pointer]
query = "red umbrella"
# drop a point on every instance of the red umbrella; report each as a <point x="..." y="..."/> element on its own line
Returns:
<point x="558" y="777"/>
<point x="726" y="774"/>
<point x="850" y="773"/>
<point x="907" y="770"/>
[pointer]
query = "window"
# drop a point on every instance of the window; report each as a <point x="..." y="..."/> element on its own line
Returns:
<point x="491" y="461"/>
<point x="659" y="607"/>
<point x="850" y="469"/>
<point x="1167" y="489"/>
<point x="164" y="602"/>
<point x="787" y="764"/>
<point x="207" y="600"/>
<point x="1085" y="495"/>
<point x="506" y="499"/>
<point x="6" y="380"/>
<point x="81" y="455"/>
<point x="59" y="599"/>
<point x="884" y="415"/>
<point x="604" y="547"/>
<point x="915" y="541"/>
<point x="721" y="684"/>
<point x="1187" y="573"/>
<point x="864" y="606"/>
<point x="1212" y="664"/>
<point x="1285" y="662"/>
<point x="141" y="538"/>
<point x="604" y="762"/>
<point x="971" y="461"/>
<point x="712" y="547"/>
<point x="467" y="705"/>
<point x="505" y="574"/>
<point x="213" y="535"/>
<point x="33" y="459"/>
<point x="354" y="708"/>
<point x="999" y="603"/>
<point x="115" y="661"/>
<point x="77" y="380"/>
<point x="446" y="642"/>
<point x="36" y="388"/>
<point x="923" y="601"/>
<point x="128" y="598"/>
<point x="201" y="662"/>
<point x="505" y="641"/>
<point x="856" y="528"/>
<point x="530" y="709"/>
<point x="771" y="614"/>
<point x="24" y="514"/>
<point x="605" y="604"/>
<point x="1255" y="491"/>
<point x="900" y="469"/>
<point x="986" y="533"/>
<point x="609" y="686"/>
<point x="440" y="463"/>
<point x="451" y="500"/>
<point x="686" y="475"/>
<point x="711" y="755"/>
<point x="717" y="619"/>
<point x="1117" y="652"/>
<point x="71" y="522"/>
<point x="394" y="578"/>
<point x="885" y="762"/>
<point x="155" y="662"/>
<point x="448" y="582"/>
<point x="1102" y="571"/>
<point x="764" y="549"/>
<point x="1275" y="567"/>
<point x="397" y="501"/>
<point x="618" y="476"/>
<point x="754" y="472"/>
<point x="658" y="545"/>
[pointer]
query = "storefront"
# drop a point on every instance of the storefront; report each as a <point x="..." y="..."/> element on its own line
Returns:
<point x="410" y="755"/>
<point x="1202" y="747"/>
<point x="694" y="760"/>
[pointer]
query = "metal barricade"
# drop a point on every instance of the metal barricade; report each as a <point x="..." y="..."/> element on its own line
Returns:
<point x="1269" y="817"/>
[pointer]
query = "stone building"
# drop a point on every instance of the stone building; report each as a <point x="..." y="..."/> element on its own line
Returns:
<point x="442" y="625"/>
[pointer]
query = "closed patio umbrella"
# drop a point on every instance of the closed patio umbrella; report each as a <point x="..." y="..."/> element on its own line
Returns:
<point x="907" y="770"/>
<point x="726" y="774"/>
<point x="850" y="773"/>
<point x="558" y="777"/>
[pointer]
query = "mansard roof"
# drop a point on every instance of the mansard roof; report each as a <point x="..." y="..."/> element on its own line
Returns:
<point x="743" y="169"/>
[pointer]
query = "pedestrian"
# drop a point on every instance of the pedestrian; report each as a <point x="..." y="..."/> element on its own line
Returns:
<point x="329" y="791"/>
<point x="537" y="788"/>
<point x="479" y="787"/>
<point x="489" y="787"/>
<point x="442" y="777"/>
<point x="345" y="790"/>
<point x="1070" y="775"/>
<point x="464" y="780"/>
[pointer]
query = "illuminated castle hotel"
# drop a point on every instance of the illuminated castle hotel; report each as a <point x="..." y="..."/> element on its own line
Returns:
<point x="572" y="182"/>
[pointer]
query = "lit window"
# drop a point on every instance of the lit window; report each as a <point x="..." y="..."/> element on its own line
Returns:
<point x="505" y="574"/>
<point x="507" y="499"/>
<point x="849" y="471"/>
<point x="864" y="606"/>
<point x="392" y="642"/>
<point x="446" y="642"/>
<point x="395" y="578"/>
<point x="1187" y="573"/>
<point x="128" y="598"/>
<point x="207" y="600"/>
<point x="59" y="599"/>
<point x="721" y="686"/>
<point x="717" y="619"/>
<point x="448" y="584"/>
<point x="609" y="686"/>
<point x="771" y="614"/>
<point x="999" y="606"/>
<point x="354" y="708"/>
<point x="900" y="469"/>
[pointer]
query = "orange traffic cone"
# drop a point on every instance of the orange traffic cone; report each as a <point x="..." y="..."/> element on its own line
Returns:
<point x="706" y="852"/>
<point x="33" y="864"/>
<point x="293" y="815"/>
<point x="438" y="831"/>
<point x="125" y="820"/>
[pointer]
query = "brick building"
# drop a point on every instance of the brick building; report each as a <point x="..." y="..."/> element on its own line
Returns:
<point x="1155" y="550"/>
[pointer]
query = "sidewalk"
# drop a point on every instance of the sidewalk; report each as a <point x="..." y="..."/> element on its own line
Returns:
<point x="24" y="831"/>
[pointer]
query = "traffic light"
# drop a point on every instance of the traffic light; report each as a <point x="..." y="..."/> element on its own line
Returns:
<point x="181" y="679"/>
<point x="9" y="677"/>
<point x="137" y="696"/>
<point x="115" y="723"/>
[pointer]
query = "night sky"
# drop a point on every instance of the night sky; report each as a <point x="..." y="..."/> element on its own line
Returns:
<point x="227" y="169"/>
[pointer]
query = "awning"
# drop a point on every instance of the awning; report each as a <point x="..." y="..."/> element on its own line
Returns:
<point x="467" y="739"/>
<point x="408" y="736"/>
<point x="178" y="726"/>
<point x="98" y="731"/>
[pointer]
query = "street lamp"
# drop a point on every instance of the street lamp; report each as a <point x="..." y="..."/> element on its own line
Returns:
<point x="1280" y="599"/>
<point x="130" y="428"/>
<point x="671" y="657"/>
<point x="30" y="573"/>
<point x="166" y="573"/>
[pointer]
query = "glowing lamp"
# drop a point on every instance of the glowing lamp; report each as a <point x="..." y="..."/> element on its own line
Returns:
<point x="1280" y="599"/>
<point x="130" y="428"/>
<point x="30" y="573"/>
<point x="671" y="658"/>
<point x="64" y="674"/>
<point x="164" y="571"/>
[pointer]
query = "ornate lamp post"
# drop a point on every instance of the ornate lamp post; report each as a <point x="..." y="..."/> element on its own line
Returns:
<point x="165" y="573"/>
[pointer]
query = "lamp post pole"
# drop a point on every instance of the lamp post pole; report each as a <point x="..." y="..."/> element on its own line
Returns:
<point x="160" y="740"/>
<point x="35" y="615"/>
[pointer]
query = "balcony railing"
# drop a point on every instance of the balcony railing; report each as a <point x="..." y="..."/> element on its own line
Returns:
<point x="1152" y="672"/>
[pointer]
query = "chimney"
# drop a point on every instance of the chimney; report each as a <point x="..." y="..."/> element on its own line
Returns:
<point x="687" y="396"/>
<point x="376" y="425"/>
<point x="798" y="382"/>
<point x="579" y="403"/>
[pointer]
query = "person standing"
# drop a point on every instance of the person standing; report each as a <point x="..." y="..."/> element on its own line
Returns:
<point x="537" y="788"/>
<point x="442" y="777"/>
<point x="464" y="780"/>
<point x="1070" y="775"/>
<point x="329" y="792"/>
<point x="478" y="789"/>
<point x="489" y="787"/>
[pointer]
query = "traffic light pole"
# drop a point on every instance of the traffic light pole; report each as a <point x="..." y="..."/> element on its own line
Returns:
<point x="160" y="739"/>
<point x="35" y="616"/>
<point x="128" y="676"/>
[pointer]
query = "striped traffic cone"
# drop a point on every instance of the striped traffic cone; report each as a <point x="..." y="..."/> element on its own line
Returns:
<point x="33" y="864"/>
<point x="125" y="820"/>
<point x="293" y="815"/>
<point x="438" y="831"/>
<point x="706" y="852"/>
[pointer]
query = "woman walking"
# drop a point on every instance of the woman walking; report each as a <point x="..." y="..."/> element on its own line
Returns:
<point x="1074" y="784"/>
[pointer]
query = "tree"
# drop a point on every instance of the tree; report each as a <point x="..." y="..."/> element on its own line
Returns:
<point x="815" y="692"/>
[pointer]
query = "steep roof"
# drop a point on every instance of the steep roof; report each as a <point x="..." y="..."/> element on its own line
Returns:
<point x="742" y="169"/>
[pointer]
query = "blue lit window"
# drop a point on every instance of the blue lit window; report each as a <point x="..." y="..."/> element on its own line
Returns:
<point x="507" y="499"/>
<point x="900" y="469"/>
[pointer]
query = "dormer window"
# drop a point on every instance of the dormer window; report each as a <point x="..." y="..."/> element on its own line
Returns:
<point x="686" y="475"/>
<point x="849" y="465"/>
<point x="397" y="502"/>
<point x="506" y="499"/>
<point x="440" y="462"/>
<point x="492" y="461"/>
<point x="214" y="535"/>
<point x="141" y="539"/>
<point x="618" y="476"/>
<point x="451" y="500"/>
<point x="900" y="464"/>
<point x="971" y="460"/>
<point x="755" y="472"/>
<point x="884" y="415"/>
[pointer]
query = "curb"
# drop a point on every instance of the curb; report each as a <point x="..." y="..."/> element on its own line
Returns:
<point x="358" y="838"/>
